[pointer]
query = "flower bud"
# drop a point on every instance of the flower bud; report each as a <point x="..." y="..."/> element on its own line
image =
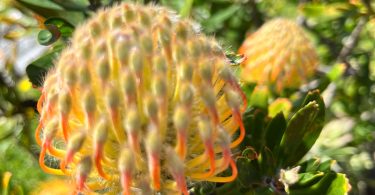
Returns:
<point x="233" y="99"/>
<point x="133" y="120"/>
<point x="70" y="75"/>
<point x="123" y="47"/>
<point x="50" y="130"/>
<point x="129" y="13"/>
<point x="160" y="86"/>
<point x="101" y="131"/>
<point x="181" y="31"/>
<point x="85" y="77"/>
<point x="84" y="169"/>
<point x="152" y="142"/>
<point x="113" y="97"/>
<point x="65" y="102"/>
<point x="181" y="118"/>
<point x="186" y="71"/>
<point x="126" y="160"/>
<point x="151" y="108"/>
<point x="160" y="65"/>
<point x="90" y="102"/>
<point x="103" y="69"/>
<point x="208" y="96"/>
<point x="75" y="142"/>
<point x="206" y="71"/>
<point x="186" y="94"/>
<point x="205" y="128"/>
<point x="136" y="61"/>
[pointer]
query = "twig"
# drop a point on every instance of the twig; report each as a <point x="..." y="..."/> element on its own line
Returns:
<point x="352" y="41"/>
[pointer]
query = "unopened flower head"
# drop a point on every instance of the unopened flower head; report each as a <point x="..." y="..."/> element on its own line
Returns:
<point x="279" y="54"/>
<point x="140" y="101"/>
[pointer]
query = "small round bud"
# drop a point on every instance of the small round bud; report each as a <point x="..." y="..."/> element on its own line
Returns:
<point x="186" y="71"/>
<point x="133" y="120"/>
<point x="101" y="131"/>
<point x="160" y="65"/>
<point x="233" y="99"/>
<point x="160" y="87"/>
<point x="224" y="138"/>
<point x="181" y="118"/>
<point x="129" y="13"/>
<point x="151" y="107"/>
<point x="186" y="94"/>
<point x="153" y="143"/>
<point x="126" y="161"/>
<point x="95" y="28"/>
<point x="175" y="164"/>
<point x="103" y="68"/>
<point x="50" y="130"/>
<point x="146" y="44"/>
<point x="84" y="166"/>
<point x="89" y="102"/>
<point x="181" y="52"/>
<point x="76" y="142"/>
<point x="206" y="71"/>
<point x="129" y="84"/>
<point x="165" y="36"/>
<point x="116" y="20"/>
<point x="195" y="48"/>
<point x="65" y="102"/>
<point x="123" y="47"/>
<point x="136" y="61"/>
<point x="100" y="47"/>
<point x="145" y="18"/>
<point x="205" y="127"/>
<point x="85" y="48"/>
<point x="226" y="74"/>
<point x="181" y="31"/>
<point x="85" y="76"/>
<point x="70" y="76"/>
<point x="113" y="97"/>
<point x="208" y="96"/>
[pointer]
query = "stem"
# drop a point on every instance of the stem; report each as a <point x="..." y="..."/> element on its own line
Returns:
<point x="186" y="9"/>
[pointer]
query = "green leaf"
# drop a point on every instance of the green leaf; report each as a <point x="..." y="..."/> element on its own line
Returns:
<point x="267" y="162"/>
<point x="298" y="126"/>
<point x="336" y="72"/>
<point x="37" y="70"/>
<point x="307" y="179"/>
<point x="46" y="37"/>
<point x="326" y="165"/>
<point x="248" y="172"/>
<point x="330" y="184"/>
<point x="64" y="27"/>
<point x="217" y="20"/>
<point x="302" y="130"/>
<point x="56" y="28"/>
<point x="310" y="165"/>
<point x="254" y="123"/>
<point x="259" y="97"/>
<point x="274" y="131"/>
<point x="324" y="11"/>
<point x="48" y="9"/>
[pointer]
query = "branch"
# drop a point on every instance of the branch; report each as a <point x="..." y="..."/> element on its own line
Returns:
<point x="352" y="41"/>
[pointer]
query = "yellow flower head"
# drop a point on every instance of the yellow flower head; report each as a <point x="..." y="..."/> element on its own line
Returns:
<point x="140" y="101"/>
<point x="278" y="54"/>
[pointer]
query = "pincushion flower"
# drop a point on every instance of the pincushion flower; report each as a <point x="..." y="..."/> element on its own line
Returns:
<point x="279" y="55"/>
<point x="140" y="101"/>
